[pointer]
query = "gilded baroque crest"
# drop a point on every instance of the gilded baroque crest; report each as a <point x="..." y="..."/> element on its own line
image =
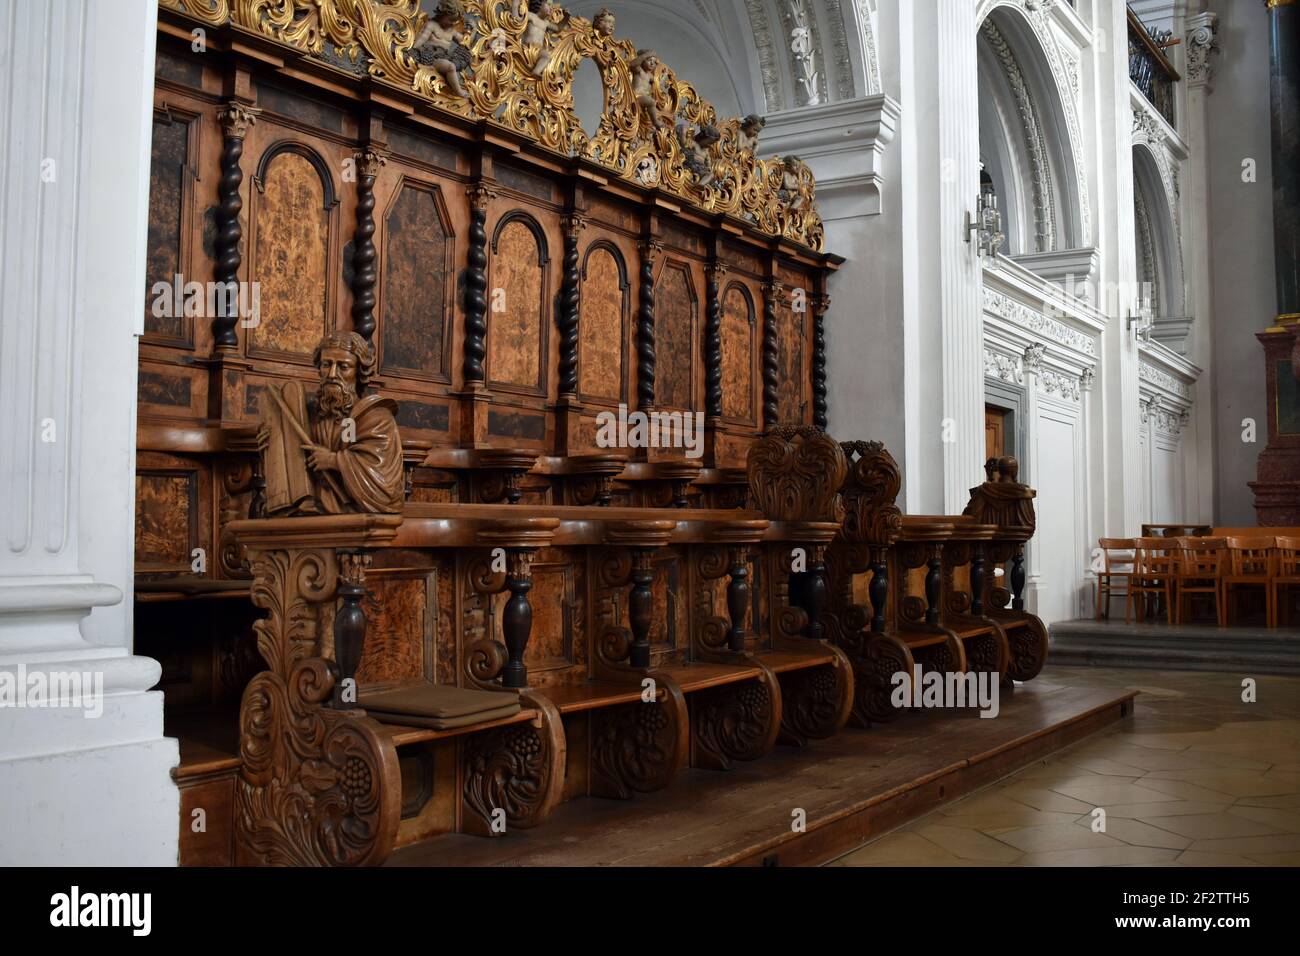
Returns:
<point x="512" y="62"/>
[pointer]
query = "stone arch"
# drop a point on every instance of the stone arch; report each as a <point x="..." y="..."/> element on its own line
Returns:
<point x="1029" y="134"/>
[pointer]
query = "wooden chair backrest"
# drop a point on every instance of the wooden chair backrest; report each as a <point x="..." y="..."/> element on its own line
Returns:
<point x="1201" y="557"/>
<point x="1119" y="555"/>
<point x="1157" y="555"/>
<point x="1249" y="557"/>
<point x="1288" y="557"/>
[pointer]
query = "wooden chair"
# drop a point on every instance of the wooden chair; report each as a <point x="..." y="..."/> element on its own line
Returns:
<point x="1249" y="563"/>
<point x="1286" y="575"/>
<point x="1118" y="564"/>
<point x="1154" y="569"/>
<point x="1200" y="571"/>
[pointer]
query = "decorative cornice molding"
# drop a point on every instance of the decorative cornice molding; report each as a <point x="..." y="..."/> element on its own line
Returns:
<point x="1022" y="315"/>
<point x="1159" y="378"/>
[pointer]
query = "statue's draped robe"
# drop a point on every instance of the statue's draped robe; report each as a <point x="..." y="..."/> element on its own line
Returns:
<point x="370" y="466"/>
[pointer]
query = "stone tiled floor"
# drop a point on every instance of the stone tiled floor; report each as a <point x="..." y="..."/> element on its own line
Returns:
<point x="1194" y="777"/>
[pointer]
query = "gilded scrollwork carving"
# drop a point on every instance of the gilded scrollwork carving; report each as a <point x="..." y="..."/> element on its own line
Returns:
<point x="513" y="62"/>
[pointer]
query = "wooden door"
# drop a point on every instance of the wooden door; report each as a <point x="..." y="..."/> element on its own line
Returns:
<point x="995" y="432"/>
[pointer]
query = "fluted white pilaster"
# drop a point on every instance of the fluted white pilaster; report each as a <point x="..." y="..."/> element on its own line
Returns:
<point x="959" y="267"/>
<point x="80" y="783"/>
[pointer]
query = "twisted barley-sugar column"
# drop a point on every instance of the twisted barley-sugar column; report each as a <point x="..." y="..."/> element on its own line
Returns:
<point x="476" y="303"/>
<point x="713" y="342"/>
<point x="645" y="326"/>
<point x="570" y="305"/>
<point x="821" y="304"/>
<point x="772" y="293"/>
<point x="364" y="277"/>
<point x="235" y="119"/>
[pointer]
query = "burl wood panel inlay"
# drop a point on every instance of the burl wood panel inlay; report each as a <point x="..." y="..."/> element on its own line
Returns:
<point x="396" y="620"/>
<point x="164" y="521"/>
<point x="415" y="284"/>
<point x="291" y="255"/>
<point x="790" y="346"/>
<point x="737" y="355"/>
<point x="167" y="170"/>
<point x="601" y="348"/>
<point x="515" y="308"/>
<point x="674" y="337"/>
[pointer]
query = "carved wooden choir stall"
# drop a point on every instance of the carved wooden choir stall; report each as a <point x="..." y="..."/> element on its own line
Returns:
<point x="408" y="546"/>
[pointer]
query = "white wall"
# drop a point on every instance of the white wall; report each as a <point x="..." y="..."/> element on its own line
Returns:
<point x="1241" y="246"/>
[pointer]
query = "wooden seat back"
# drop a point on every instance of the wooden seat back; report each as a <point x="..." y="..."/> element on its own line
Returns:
<point x="1249" y="559"/>
<point x="1200" y="558"/>
<point x="1156" y="557"/>
<point x="1287" y="558"/>
<point x="1119" y="556"/>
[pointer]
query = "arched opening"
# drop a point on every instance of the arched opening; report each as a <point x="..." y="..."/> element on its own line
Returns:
<point x="1156" y="241"/>
<point x="1024" y="139"/>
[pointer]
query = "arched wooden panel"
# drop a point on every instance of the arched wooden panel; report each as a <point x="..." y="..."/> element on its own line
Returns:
<point x="516" y="337"/>
<point x="602" y="326"/>
<point x="675" y="320"/>
<point x="738" y="351"/>
<point x="418" y="284"/>
<point x="291" y="250"/>
<point x="791" y="337"/>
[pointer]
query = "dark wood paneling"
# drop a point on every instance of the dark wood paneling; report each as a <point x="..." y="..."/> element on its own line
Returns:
<point x="419" y="278"/>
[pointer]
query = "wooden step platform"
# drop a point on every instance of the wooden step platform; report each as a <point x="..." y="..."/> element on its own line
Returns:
<point x="851" y="787"/>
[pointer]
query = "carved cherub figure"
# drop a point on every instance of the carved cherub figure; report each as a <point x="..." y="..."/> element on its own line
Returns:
<point x="603" y="22"/>
<point x="750" y="128"/>
<point x="538" y="24"/>
<point x="441" y="44"/>
<point x="644" y="66"/>
<point x="339" y="453"/>
<point x="697" y="149"/>
<point x="792" y="168"/>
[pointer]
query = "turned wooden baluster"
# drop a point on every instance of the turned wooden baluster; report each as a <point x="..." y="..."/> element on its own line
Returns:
<point x="349" y="626"/>
<point x="1018" y="578"/>
<point x="879" y="589"/>
<point x="517" y="617"/>
<point x="640" y="606"/>
<point x="933" y="584"/>
<point x="977" y="580"/>
<point x="813" y="593"/>
<point x="738" y="597"/>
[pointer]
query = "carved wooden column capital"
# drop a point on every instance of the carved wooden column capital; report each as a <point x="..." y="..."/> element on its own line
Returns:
<point x="235" y="119"/>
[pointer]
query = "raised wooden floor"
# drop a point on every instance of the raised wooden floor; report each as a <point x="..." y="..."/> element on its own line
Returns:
<point x="850" y="787"/>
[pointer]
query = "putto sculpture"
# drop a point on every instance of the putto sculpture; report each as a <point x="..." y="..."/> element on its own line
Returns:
<point x="537" y="14"/>
<point x="750" y="128"/>
<point x="441" y="45"/>
<point x="644" y="66"/>
<point x="338" y="452"/>
<point x="698" y="158"/>
<point x="603" y="22"/>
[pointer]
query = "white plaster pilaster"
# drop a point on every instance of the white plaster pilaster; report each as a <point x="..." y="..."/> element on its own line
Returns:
<point x="960" y="274"/>
<point x="75" y="126"/>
